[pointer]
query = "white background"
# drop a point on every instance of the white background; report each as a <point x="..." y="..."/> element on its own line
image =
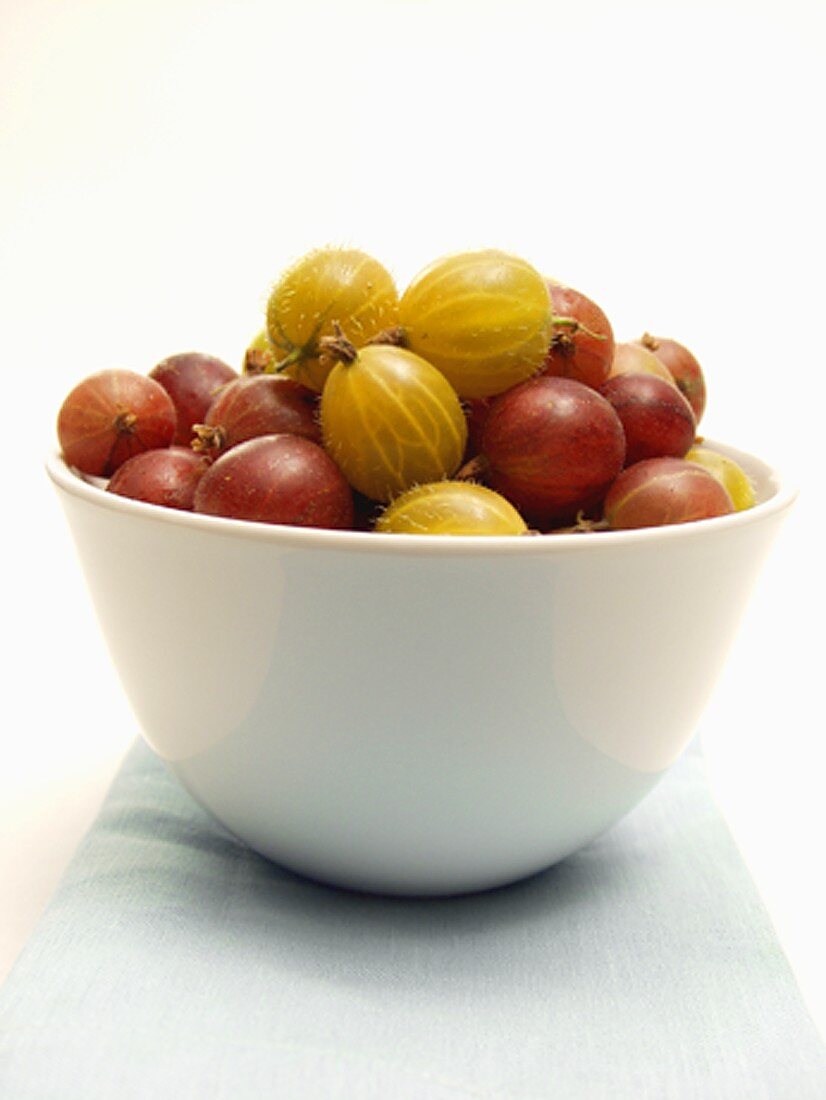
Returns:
<point x="163" y="160"/>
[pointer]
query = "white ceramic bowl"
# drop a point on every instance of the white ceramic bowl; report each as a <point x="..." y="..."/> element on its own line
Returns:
<point x="416" y="714"/>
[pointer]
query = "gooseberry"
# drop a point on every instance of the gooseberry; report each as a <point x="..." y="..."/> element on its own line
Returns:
<point x="451" y="508"/>
<point x="327" y="287"/>
<point x="582" y="343"/>
<point x="656" y="418"/>
<point x="482" y="318"/>
<point x="277" y="479"/>
<point x="390" y="419"/>
<point x="552" y="447"/>
<point x="167" y="476"/>
<point x="258" y="404"/>
<point x="661" y="491"/>
<point x="112" y="415"/>
<point x="192" y="380"/>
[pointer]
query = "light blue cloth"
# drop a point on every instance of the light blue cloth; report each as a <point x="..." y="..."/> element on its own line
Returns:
<point x="175" y="963"/>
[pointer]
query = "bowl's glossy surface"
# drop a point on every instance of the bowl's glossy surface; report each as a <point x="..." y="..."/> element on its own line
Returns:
<point x="413" y="714"/>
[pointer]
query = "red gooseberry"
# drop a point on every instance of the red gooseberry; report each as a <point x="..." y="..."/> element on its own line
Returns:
<point x="255" y="405"/>
<point x="552" y="447"/>
<point x="277" y="479"/>
<point x="112" y="415"/>
<point x="582" y="341"/>
<point x="167" y="476"/>
<point x="656" y="418"/>
<point x="661" y="491"/>
<point x="192" y="380"/>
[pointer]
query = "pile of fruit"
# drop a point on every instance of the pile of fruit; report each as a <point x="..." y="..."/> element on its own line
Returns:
<point x="487" y="399"/>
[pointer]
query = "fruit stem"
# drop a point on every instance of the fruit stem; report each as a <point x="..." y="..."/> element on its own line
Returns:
<point x="574" y="326"/>
<point x="649" y="341"/>
<point x="395" y="336"/>
<point x="257" y="361"/>
<point x="125" y="422"/>
<point x="338" y="346"/>
<point x="293" y="357"/>
<point x="208" y="440"/>
<point x="475" y="469"/>
<point x="582" y="525"/>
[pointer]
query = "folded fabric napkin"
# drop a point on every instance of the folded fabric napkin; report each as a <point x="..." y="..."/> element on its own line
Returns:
<point x="173" y="962"/>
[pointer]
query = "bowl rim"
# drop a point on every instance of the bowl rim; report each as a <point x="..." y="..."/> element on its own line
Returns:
<point x="781" y="496"/>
